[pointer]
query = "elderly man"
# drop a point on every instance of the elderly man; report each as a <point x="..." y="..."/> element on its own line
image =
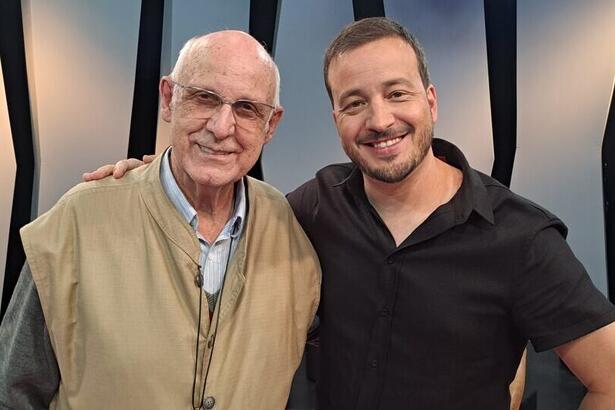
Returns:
<point x="435" y="276"/>
<point x="186" y="284"/>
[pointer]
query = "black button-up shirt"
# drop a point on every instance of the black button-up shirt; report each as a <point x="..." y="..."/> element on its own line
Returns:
<point x="440" y="321"/>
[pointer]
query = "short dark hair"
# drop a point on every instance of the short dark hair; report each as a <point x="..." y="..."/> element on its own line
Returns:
<point x="365" y="31"/>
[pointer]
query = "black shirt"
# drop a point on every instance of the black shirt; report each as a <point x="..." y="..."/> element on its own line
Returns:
<point x="441" y="321"/>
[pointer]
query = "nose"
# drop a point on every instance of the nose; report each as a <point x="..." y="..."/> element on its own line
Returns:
<point x="222" y="123"/>
<point x="379" y="116"/>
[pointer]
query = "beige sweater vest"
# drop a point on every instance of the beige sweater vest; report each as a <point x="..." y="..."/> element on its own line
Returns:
<point x="115" y="264"/>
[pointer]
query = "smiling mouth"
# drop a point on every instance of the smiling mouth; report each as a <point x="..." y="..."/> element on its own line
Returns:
<point x="385" y="143"/>
<point x="211" y="151"/>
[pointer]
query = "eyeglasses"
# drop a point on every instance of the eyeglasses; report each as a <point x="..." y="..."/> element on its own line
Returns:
<point x="203" y="104"/>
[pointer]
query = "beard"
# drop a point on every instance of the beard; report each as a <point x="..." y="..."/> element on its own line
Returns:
<point x="397" y="169"/>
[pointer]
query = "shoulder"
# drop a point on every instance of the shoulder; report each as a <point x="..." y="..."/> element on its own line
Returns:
<point x="266" y="198"/>
<point x="306" y="196"/>
<point x="108" y="186"/>
<point x="518" y="211"/>
<point x="259" y="190"/>
<point x="270" y="211"/>
<point x="334" y="174"/>
<point x="105" y="199"/>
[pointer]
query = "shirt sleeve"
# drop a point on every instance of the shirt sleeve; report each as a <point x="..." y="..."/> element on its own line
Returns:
<point x="555" y="301"/>
<point x="29" y="375"/>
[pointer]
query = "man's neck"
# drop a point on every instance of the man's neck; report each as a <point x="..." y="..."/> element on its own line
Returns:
<point x="213" y="205"/>
<point x="404" y="205"/>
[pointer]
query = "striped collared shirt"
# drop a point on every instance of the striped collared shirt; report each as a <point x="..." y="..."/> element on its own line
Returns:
<point x="214" y="256"/>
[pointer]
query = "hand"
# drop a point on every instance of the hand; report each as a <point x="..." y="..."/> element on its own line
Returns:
<point x="118" y="170"/>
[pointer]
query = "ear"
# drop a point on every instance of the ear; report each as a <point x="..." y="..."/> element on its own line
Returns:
<point x="432" y="100"/>
<point x="272" y="125"/>
<point x="166" y="96"/>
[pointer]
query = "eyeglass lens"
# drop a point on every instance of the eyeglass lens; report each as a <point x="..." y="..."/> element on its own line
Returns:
<point x="204" y="104"/>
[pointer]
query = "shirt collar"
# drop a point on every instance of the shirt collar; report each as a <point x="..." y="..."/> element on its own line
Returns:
<point x="471" y="196"/>
<point x="233" y="227"/>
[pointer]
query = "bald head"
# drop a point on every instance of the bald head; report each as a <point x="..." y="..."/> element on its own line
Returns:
<point x="228" y="45"/>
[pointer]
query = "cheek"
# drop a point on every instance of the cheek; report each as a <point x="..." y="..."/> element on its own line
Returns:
<point x="250" y="142"/>
<point x="181" y="137"/>
<point x="182" y="128"/>
<point x="420" y="113"/>
<point x="348" y="130"/>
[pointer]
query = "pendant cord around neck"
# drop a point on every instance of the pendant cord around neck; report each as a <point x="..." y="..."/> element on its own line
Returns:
<point x="199" y="282"/>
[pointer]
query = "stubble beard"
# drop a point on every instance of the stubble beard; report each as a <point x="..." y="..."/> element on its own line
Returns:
<point x="396" y="171"/>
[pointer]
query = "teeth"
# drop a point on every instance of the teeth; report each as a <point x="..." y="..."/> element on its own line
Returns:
<point x="211" y="151"/>
<point x="387" y="143"/>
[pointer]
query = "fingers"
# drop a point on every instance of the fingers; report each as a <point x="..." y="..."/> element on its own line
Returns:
<point x="120" y="168"/>
<point x="125" y="165"/>
<point x="117" y="170"/>
<point x="100" y="173"/>
<point x="148" y="158"/>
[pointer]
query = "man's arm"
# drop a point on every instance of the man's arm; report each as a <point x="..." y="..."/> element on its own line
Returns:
<point x="29" y="375"/>
<point x="517" y="386"/>
<point x="592" y="359"/>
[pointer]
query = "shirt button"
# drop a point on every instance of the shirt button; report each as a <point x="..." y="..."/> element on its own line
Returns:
<point x="374" y="363"/>
<point x="390" y="261"/>
<point x="210" y="402"/>
<point x="384" y="313"/>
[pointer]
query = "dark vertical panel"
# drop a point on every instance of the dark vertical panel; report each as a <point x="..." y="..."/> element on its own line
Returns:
<point x="367" y="8"/>
<point x="501" y="30"/>
<point x="14" y="72"/>
<point x="263" y="26"/>
<point x="264" y="22"/>
<point x="608" y="181"/>
<point x="145" y="99"/>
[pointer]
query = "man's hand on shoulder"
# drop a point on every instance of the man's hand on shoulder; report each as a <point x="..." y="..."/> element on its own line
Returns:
<point x="118" y="169"/>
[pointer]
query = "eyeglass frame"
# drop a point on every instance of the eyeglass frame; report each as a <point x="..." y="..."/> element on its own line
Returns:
<point x="258" y="119"/>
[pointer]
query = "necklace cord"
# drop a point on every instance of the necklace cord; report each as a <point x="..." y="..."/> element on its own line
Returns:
<point x="215" y="333"/>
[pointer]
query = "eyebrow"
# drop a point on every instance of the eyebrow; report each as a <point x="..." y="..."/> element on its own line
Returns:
<point x="389" y="83"/>
<point x="349" y="93"/>
<point x="397" y="81"/>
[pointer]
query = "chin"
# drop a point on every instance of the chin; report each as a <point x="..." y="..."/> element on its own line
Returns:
<point x="391" y="172"/>
<point x="208" y="177"/>
<point x="389" y="175"/>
